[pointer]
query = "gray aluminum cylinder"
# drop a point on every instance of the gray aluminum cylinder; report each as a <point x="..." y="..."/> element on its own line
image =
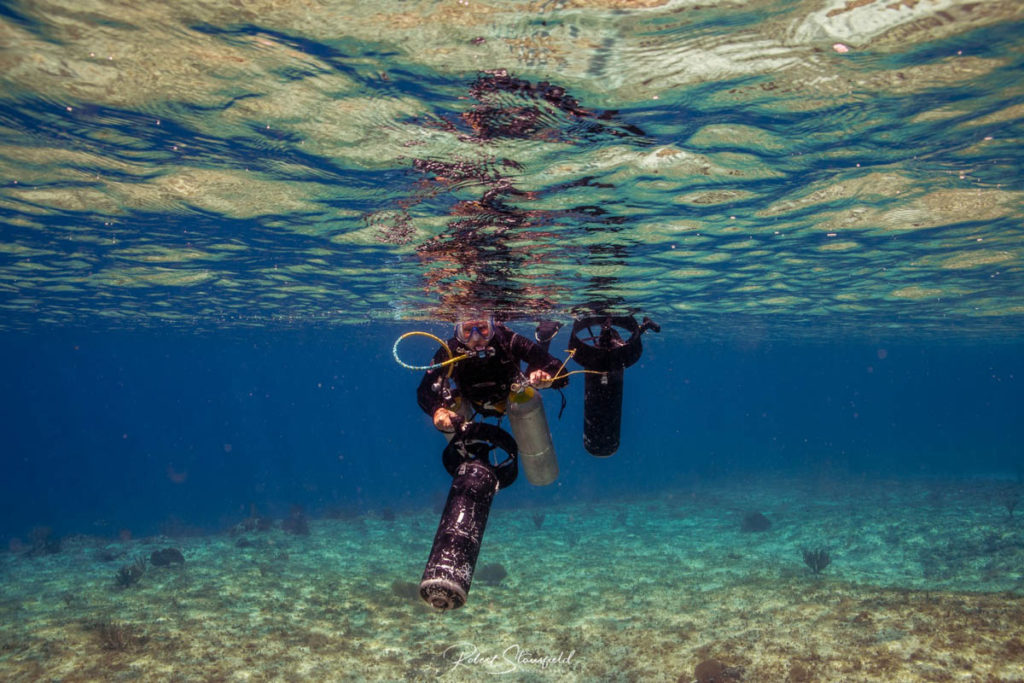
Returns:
<point x="533" y="437"/>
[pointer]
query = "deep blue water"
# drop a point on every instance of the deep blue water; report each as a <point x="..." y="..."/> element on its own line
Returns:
<point x="182" y="432"/>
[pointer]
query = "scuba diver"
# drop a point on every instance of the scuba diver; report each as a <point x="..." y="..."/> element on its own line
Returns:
<point x="488" y="377"/>
<point x="477" y="372"/>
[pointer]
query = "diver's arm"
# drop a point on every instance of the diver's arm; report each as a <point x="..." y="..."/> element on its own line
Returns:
<point x="536" y="358"/>
<point x="428" y="396"/>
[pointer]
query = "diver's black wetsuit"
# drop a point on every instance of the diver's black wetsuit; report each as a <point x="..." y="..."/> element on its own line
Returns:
<point x="485" y="381"/>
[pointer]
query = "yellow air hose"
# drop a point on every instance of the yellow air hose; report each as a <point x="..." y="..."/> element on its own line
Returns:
<point x="452" y="359"/>
<point x="433" y="366"/>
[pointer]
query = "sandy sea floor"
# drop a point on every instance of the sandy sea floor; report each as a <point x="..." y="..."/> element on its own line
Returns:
<point x="926" y="583"/>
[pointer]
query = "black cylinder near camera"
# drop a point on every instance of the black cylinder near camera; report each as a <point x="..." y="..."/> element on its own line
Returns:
<point x="602" y="412"/>
<point x="475" y="480"/>
<point x="599" y="346"/>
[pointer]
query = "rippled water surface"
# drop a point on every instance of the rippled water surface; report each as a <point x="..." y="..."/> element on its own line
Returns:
<point x="800" y="167"/>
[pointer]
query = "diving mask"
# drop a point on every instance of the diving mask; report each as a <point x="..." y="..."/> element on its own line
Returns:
<point x="484" y="328"/>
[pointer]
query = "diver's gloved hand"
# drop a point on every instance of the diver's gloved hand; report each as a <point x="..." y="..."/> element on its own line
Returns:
<point x="540" y="379"/>
<point x="444" y="419"/>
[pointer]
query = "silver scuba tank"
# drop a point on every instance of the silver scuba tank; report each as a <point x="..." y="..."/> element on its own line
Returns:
<point x="530" y="428"/>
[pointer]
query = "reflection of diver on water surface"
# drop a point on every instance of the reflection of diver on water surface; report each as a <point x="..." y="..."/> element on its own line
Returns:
<point x="494" y="246"/>
<point x="476" y="374"/>
<point x="505" y="108"/>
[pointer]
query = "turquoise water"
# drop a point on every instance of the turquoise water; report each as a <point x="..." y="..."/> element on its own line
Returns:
<point x="217" y="218"/>
<point x="795" y="167"/>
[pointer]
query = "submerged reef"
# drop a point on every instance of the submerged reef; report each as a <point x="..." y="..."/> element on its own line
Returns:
<point x="42" y="541"/>
<point x="755" y="521"/>
<point x="491" y="574"/>
<point x="342" y="603"/>
<point x="296" y="523"/>
<point x="110" y="554"/>
<point x="714" y="671"/>
<point x="131" y="574"/>
<point x="1010" y="498"/>
<point x="254" y="522"/>
<point x="165" y="557"/>
<point x="118" y="635"/>
<point x="817" y="559"/>
<point x="406" y="590"/>
<point x="538" y="519"/>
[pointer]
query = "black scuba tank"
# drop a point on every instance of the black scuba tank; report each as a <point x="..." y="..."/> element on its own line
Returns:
<point x="475" y="480"/>
<point x="598" y="345"/>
